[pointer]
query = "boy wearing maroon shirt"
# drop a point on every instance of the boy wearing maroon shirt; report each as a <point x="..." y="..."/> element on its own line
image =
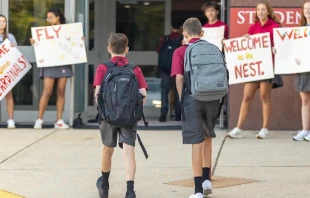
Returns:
<point x="197" y="122"/>
<point x="118" y="48"/>
<point x="211" y="11"/>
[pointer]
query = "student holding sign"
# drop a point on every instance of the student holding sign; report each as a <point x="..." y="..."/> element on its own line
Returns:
<point x="302" y="85"/>
<point x="265" y="21"/>
<point x="50" y="75"/>
<point x="211" y="11"/>
<point x="9" y="97"/>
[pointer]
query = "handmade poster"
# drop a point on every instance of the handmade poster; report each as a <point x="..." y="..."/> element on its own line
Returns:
<point x="249" y="59"/>
<point x="214" y="35"/>
<point x="59" y="45"/>
<point x="13" y="67"/>
<point x="292" y="50"/>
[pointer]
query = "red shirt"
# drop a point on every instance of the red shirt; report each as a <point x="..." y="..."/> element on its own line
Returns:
<point x="173" y="36"/>
<point x="219" y="24"/>
<point x="267" y="27"/>
<point x="178" y="59"/>
<point x="121" y="61"/>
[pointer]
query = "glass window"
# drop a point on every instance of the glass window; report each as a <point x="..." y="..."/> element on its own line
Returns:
<point x="24" y="14"/>
<point x="142" y="22"/>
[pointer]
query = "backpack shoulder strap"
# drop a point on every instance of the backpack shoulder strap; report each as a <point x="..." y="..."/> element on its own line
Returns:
<point x="131" y="65"/>
<point x="109" y="64"/>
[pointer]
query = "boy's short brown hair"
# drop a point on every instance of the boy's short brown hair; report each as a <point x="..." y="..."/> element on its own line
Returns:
<point x="211" y="4"/>
<point x="118" y="43"/>
<point x="192" y="26"/>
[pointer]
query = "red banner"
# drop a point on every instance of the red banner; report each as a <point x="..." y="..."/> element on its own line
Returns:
<point x="242" y="18"/>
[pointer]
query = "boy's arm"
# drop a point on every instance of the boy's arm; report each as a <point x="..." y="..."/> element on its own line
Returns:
<point x="144" y="93"/>
<point x="97" y="88"/>
<point x="179" y="80"/>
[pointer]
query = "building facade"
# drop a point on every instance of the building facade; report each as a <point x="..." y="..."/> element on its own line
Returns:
<point x="144" y="22"/>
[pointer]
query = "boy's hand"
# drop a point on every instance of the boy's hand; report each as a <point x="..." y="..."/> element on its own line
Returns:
<point x="32" y="41"/>
<point x="13" y="45"/>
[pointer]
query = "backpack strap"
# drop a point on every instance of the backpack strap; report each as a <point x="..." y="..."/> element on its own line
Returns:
<point x="109" y="64"/>
<point x="131" y="65"/>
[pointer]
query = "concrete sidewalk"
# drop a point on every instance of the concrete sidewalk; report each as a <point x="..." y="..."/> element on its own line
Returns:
<point x="53" y="163"/>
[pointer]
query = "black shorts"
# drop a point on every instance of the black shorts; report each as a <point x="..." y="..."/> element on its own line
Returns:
<point x="110" y="132"/>
<point x="198" y="119"/>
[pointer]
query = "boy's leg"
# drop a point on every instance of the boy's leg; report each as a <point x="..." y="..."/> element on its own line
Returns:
<point x="197" y="166"/>
<point x="127" y="139"/>
<point x="109" y="140"/>
<point x="206" y="159"/>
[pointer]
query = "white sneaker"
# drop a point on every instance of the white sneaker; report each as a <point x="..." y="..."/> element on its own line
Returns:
<point x="307" y="138"/>
<point x="60" y="124"/>
<point x="11" y="124"/>
<point x="235" y="133"/>
<point x="263" y="134"/>
<point x="197" y="195"/>
<point x="207" y="188"/>
<point x="38" y="124"/>
<point x="301" y="135"/>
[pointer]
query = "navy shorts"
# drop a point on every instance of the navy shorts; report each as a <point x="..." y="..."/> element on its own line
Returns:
<point x="198" y="119"/>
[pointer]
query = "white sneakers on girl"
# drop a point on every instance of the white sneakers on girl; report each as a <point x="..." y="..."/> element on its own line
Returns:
<point x="60" y="124"/>
<point x="38" y="124"/>
<point x="263" y="134"/>
<point x="301" y="135"/>
<point x="235" y="133"/>
<point x="11" y="124"/>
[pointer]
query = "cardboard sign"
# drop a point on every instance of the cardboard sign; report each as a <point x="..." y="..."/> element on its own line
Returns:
<point x="249" y="59"/>
<point x="292" y="50"/>
<point x="214" y="35"/>
<point x="13" y="67"/>
<point x="59" y="45"/>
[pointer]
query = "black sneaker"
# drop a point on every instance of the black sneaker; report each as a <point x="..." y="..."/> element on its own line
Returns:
<point x="162" y="118"/>
<point x="103" y="191"/>
<point x="130" y="194"/>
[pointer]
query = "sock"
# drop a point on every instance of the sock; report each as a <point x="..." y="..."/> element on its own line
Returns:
<point x="130" y="185"/>
<point x="198" y="186"/>
<point x="205" y="174"/>
<point x="105" y="178"/>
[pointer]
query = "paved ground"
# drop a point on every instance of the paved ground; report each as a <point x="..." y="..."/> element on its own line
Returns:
<point x="66" y="164"/>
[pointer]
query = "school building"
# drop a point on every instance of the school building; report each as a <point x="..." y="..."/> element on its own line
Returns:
<point x="144" y="22"/>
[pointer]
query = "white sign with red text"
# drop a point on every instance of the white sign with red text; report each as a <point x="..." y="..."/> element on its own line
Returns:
<point x="214" y="35"/>
<point x="292" y="50"/>
<point x="59" y="45"/>
<point x="13" y="67"/>
<point x="249" y="59"/>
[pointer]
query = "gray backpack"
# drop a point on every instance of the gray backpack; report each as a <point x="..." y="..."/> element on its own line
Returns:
<point x="206" y="75"/>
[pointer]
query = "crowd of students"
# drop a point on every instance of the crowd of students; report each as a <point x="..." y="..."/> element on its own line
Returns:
<point x="198" y="127"/>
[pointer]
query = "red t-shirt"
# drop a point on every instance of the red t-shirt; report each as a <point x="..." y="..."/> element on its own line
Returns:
<point x="267" y="27"/>
<point x="219" y="24"/>
<point x="121" y="61"/>
<point x="173" y="36"/>
<point x="178" y="59"/>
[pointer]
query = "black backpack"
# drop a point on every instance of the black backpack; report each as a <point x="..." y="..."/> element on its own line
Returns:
<point x="166" y="52"/>
<point x="119" y="101"/>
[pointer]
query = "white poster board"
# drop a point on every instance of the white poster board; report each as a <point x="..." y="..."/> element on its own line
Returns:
<point x="13" y="67"/>
<point x="59" y="45"/>
<point x="214" y="35"/>
<point x="292" y="50"/>
<point x="249" y="59"/>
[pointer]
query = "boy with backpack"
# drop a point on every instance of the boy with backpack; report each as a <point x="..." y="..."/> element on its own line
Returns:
<point x="202" y="83"/>
<point x="165" y="51"/>
<point x="120" y="92"/>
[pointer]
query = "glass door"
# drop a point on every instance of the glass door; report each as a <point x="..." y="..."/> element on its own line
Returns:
<point x="22" y="15"/>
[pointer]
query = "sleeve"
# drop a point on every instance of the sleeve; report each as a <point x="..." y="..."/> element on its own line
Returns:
<point x="251" y="30"/>
<point x="177" y="66"/>
<point x="100" y="72"/>
<point x="140" y="78"/>
<point x="12" y="39"/>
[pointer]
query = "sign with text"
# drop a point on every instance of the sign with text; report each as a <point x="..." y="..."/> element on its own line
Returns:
<point x="214" y="35"/>
<point x="242" y="18"/>
<point x="249" y="59"/>
<point x="292" y="50"/>
<point x="59" y="45"/>
<point x="13" y="67"/>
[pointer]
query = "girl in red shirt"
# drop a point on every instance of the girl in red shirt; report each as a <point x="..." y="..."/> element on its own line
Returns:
<point x="265" y="21"/>
<point x="302" y="85"/>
